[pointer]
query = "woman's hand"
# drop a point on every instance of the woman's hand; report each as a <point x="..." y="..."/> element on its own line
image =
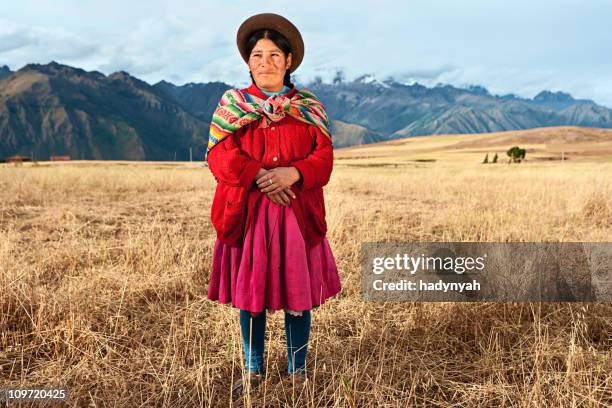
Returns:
<point x="262" y="172"/>
<point x="283" y="197"/>
<point x="278" y="179"/>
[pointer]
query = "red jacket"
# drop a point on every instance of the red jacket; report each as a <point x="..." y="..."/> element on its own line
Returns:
<point x="236" y="160"/>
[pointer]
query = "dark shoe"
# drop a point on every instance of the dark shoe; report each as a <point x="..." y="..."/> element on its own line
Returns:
<point x="241" y="384"/>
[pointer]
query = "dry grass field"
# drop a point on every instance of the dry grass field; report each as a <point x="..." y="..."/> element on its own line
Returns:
<point x="104" y="269"/>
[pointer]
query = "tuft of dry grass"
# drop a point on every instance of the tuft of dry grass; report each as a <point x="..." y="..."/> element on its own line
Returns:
<point x="104" y="271"/>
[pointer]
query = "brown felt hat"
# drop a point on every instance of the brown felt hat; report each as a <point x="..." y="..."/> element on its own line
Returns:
<point x="275" y="22"/>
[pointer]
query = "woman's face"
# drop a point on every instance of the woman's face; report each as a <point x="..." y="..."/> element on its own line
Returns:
<point x="268" y="65"/>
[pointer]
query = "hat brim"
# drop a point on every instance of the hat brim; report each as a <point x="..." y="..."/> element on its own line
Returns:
<point x="275" y="22"/>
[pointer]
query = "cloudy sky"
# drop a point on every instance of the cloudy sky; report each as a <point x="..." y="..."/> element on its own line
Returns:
<point x="519" y="46"/>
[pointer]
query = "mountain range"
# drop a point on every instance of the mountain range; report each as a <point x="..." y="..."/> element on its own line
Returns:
<point x="56" y="109"/>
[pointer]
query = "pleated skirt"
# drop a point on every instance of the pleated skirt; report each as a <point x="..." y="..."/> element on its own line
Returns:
<point x="273" y="269"/>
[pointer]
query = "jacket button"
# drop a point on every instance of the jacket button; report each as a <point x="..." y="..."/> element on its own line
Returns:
<point x="273" y="128"/>
<point x="275" y="158"/>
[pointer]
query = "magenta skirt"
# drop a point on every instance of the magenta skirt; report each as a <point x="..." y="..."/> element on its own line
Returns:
<point x="273" y="269"/>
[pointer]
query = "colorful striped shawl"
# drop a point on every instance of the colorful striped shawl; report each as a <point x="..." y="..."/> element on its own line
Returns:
<point x="237" y="108"/>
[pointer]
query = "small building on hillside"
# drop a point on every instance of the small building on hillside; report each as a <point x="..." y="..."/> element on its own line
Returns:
<point x="56" y="158"/>
<point x="17" y="159"/>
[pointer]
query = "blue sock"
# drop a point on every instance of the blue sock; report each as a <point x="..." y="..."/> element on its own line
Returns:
<point x="297" y="331"/>
<point x="254" y="358"/>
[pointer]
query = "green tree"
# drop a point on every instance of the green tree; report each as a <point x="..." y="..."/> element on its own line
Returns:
<point x="516" y="154"/>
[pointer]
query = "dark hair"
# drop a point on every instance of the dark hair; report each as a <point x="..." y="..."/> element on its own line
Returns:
<point x="279" y="40"/>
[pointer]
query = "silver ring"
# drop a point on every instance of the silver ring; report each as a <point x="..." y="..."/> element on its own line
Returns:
<point x="270" y="180"/>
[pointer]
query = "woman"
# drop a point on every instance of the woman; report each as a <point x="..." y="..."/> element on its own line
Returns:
<point x="270" y="151"/>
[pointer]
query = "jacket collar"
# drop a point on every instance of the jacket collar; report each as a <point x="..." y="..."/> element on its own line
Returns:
<point x="254" y="90"/>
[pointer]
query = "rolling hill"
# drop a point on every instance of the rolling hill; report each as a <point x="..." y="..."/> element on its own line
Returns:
<point x="55" y="109"/>
<point x="542" y="144"/>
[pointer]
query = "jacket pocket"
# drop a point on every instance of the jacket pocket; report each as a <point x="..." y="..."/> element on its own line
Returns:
<point x="234" y="213"/>
<point x="217" y="208"/>
<point x="315" y="210"/>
